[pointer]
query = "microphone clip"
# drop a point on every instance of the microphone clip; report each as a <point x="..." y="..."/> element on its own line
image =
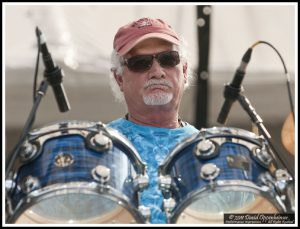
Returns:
<point x="55" y="76"/>
<point x="232" y="93"/>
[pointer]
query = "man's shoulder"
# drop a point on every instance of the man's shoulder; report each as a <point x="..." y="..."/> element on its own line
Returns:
<point x="116" y="122"/>
<point x="191" y="127"/>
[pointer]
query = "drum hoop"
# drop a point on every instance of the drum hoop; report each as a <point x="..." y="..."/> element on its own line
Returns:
<point x="222" y="185"/>
<point x="77" y="128"/>
<point x="164" y="166"/>
<point x="65" y="124"/>
<point x="75" y="187"/>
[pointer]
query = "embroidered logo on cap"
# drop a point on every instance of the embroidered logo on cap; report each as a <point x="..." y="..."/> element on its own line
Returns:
<point x="142" y="23"/>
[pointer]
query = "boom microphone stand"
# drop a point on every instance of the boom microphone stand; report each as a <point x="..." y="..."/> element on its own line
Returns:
<point x="255" y="118"/>
<point x="40" y="93"/>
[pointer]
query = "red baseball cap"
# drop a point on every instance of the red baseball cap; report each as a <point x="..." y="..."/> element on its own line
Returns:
<point x="131" y="34"/>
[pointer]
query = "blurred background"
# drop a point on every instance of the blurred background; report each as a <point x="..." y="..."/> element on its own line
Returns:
<point x="80" y="38"/>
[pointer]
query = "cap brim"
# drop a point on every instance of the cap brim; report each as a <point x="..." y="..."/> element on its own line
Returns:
<point x="133" y="43"/>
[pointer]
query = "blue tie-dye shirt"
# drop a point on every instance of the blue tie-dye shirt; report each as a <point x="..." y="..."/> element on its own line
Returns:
<point x="153" y="145"/>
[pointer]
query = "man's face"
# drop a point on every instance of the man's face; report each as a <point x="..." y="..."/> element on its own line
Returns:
<point x="157" y="87"/>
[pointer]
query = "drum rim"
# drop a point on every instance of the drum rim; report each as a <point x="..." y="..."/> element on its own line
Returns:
<point x="226" y="185"/>
<point x="84" y="128"/>
<point x="73" y="188"/>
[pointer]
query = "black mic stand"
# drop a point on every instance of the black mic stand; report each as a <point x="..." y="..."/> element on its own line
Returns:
<point x="232" y="94"/>
<point x="14" y="153"/>
<point x="255" y="118"/>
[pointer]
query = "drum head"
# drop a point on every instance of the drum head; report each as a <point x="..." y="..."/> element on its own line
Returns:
<point x="210" y="208"/>
<point x="76" y="208"/>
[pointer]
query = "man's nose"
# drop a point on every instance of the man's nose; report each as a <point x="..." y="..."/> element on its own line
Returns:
<point x="156" y="71"/>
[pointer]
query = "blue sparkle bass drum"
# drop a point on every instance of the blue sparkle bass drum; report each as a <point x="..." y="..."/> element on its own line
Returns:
<point x="76" y="172"/>
<point x="220" y="170"/>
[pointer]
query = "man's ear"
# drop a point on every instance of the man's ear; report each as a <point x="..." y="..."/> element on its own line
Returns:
<point x="119" y="80"/>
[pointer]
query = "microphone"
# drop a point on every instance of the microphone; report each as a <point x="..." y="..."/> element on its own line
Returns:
<point x="232" y="90"/>
<point x="53" y="74"/>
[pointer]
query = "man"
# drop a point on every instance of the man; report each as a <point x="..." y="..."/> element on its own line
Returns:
<point x="152" y="74"/>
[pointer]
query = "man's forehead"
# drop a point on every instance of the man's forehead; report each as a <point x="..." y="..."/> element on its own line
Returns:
<point x="152" y="44"/>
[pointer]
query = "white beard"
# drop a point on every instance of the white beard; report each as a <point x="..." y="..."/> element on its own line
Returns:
<point x="160" y="98"/>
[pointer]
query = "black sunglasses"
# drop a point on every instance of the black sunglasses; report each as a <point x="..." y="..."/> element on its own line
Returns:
<point x="142" y="63"/>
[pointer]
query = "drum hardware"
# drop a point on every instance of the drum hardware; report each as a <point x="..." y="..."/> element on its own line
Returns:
<point x="262" y="156"/>
<point x="271" y="184"/>
<point x="128" y="180"/>
<point x="28" y="152"/>
<point x="9" y="185"/>
<point x="145" y="211"/>
<point x="290" y="197"/>
<point x="63" y="126"/>
<point x="101" y="173"/>
<point x="29" y="184"/>
<point x="164" y="182"/>
<point x="168" y="206"/>
<point x="102" y="142"/>
<point x="100" y="125"/>
<point x="282" y="180"/>
<point x="63" y="160"/>
<point x="267" y="179"/>
<point x="209" y="172"/>
<point x="276" y="184"/>
<point x="141" y="182"/>
<point x="205" y="149"/>
<point x="166" y="186"/>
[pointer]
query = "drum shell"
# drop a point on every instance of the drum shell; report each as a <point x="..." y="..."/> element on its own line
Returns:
<point x="239" y="170"/>
<point x="77" y="176"/>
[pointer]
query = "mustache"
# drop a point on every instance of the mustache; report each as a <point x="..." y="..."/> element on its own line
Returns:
<point x="158" y="82"/>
